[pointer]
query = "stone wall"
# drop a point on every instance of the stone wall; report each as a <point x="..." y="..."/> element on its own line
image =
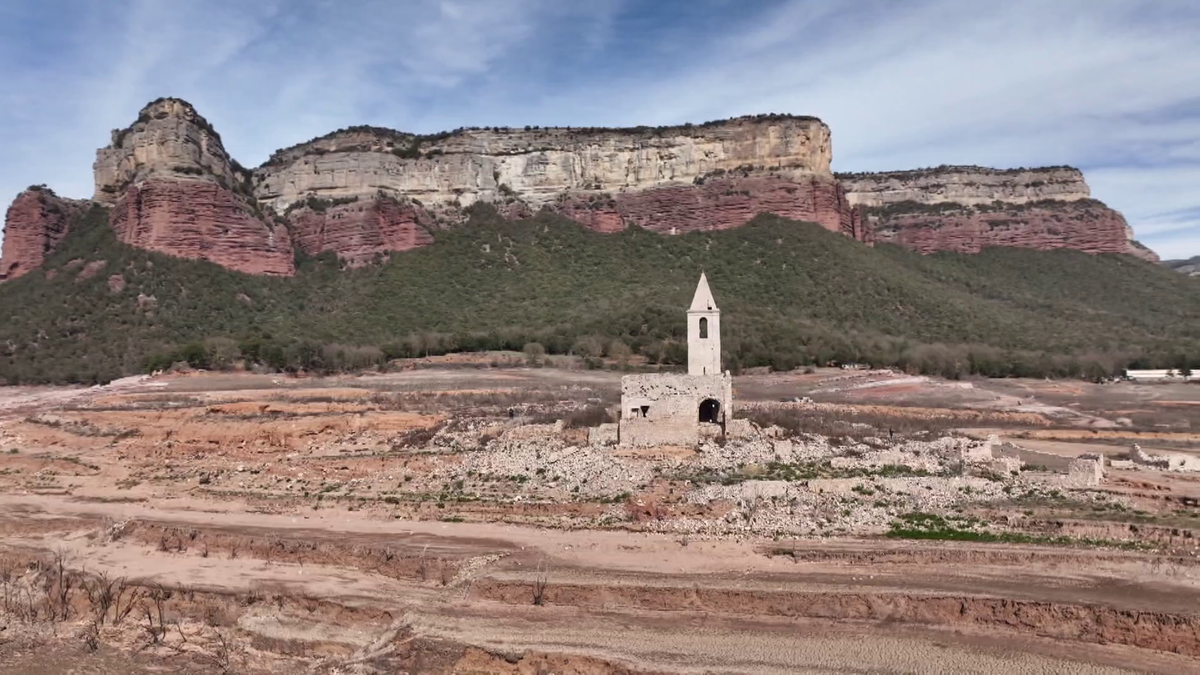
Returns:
<point x="664" y="409"/>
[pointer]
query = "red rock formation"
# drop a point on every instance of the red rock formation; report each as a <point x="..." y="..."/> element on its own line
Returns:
<point x="1084" y="224"/>
<point x="965" y="208"/>
<point x="33" y="226"/>
<point x="199" y="219"/>
<point x="358" y="232"/>
<point x="720" y="204"/>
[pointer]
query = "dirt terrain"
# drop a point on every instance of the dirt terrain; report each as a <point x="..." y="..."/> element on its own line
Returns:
<point x="450" y="518"/>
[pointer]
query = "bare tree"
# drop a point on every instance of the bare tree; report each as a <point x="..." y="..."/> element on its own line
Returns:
<point x="156" y="627"/>
<point x="100" y="592"/>
<point x="57" y="585"/>
<point x="223" y="653"/>
<point x="423" y="564"/>
<point x="130" y="593"/>
<point x="539" y="583"/>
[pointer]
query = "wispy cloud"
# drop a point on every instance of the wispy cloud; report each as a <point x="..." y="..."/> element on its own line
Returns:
<point x="1108" y="85"/>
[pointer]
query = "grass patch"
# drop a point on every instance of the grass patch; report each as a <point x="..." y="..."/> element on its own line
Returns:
<point x="966" y="528"/>
<point x="800" y="471"/>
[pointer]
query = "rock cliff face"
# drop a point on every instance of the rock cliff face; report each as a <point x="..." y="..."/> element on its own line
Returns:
<point x="201" y="220"/>
<point x="718" y="204"/>
<point x="361" y="231"/>
<point x="712" y="176"/>
<point x="968" y="185"/>
<point x="966" y="208"/>
<point x="34" y="224"/>
<point x="174" y="190"/>
<point x="365" y="192"/>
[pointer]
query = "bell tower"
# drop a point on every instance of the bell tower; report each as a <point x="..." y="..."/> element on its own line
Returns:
<point x="704" y="332"/>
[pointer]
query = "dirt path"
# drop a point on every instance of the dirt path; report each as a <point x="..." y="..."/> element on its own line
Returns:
<point x="648" y="600"/>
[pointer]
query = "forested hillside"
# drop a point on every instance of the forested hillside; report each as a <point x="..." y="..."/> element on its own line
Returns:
<point x="790" y="293"/>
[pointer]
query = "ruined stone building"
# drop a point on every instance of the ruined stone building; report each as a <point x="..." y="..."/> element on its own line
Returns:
<point x="675" y="408"/>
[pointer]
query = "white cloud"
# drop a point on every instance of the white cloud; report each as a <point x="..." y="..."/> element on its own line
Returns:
<point x="1108" y="85"/>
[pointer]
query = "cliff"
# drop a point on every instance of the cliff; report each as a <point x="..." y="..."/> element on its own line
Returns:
<point x="174" y="189"/>
<point x="967" y="208"/>
<point x="669" y="179"/>
<point x="365" y="192"/>
<point x="34" y="224"/>
<point x="360" y="232"/>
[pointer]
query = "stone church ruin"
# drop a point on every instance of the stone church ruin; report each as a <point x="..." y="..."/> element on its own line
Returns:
<point x="679" y="409"/>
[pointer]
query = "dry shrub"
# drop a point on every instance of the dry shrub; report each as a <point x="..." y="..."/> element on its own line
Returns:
<point x="417" y="438"/>
<point x="216" y="613"/>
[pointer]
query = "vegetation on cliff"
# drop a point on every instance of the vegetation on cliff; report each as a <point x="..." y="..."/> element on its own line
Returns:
<point x="942" y="169"/>
<point x="408" y="145"/>
<point x="791" y="294"/>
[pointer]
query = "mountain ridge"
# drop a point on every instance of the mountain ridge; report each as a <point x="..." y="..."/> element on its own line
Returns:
<point x="366" y="193"/>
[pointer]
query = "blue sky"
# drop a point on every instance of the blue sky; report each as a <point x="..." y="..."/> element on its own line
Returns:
<point x="1111" y="86"/>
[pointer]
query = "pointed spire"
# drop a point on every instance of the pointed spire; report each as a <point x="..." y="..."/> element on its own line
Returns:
<point x="702" y="301"/>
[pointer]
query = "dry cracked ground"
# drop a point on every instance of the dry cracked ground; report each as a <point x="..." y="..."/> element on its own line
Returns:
<point x="458" y="520"/>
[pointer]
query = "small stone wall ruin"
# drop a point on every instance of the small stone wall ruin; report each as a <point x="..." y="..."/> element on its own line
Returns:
<point x="664" y="409"/>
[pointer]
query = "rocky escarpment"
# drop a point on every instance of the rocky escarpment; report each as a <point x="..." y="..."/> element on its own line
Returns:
<point x="174" y="189"/>
<point x="969" y="185"/>
<point x="200" y="219"/>
<point x="673" y="179"/>
<point x="364" y="192"/>
<point x="966" y="208"/>
<point x="717" y="203"/>
<point x="359" y="231"/>
<point x="34" y="224"/>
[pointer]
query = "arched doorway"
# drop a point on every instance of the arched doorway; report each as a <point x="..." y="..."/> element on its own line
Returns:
<point x="710" y="411"/>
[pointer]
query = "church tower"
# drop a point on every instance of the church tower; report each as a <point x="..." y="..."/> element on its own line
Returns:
<point x="704" y="332"/>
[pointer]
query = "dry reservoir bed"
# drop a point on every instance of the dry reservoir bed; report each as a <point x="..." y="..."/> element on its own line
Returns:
<point x="461" y="522"/>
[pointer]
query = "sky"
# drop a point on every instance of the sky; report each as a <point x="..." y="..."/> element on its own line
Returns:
<point x="1110" y="86"/>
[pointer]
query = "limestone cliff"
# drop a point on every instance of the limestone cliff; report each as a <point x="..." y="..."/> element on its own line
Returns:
<point x="967" y="208"/>
<point x="669" y="179"/>
<point x="173" y="189"/>
<point x="34" y="224"/>
<point x="965" y="185"/>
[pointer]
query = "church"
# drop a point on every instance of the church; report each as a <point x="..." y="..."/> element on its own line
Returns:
<point x="679" y="409"/>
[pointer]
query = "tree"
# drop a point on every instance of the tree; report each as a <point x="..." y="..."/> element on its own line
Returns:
<point x="221" y="352"/>
<point x="589" y="346"/>
<point x="620" y="351"/>
<point x="534" y="352"/>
